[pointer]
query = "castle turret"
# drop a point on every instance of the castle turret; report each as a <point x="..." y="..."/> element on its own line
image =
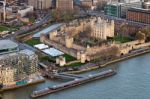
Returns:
<point x="52" y="35"/>
<point x="69" y="42"/>
<point x="83" y="57"/>
<point x="42" y="38"/>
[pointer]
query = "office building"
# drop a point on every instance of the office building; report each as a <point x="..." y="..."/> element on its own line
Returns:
<point x="120" y="9"/>
<point x="40" y="4"/>
<point x="18" y="67"/>
<point x="64" y="5"/>
<point x="87" y="3"/>
<point x="139" y="15"/>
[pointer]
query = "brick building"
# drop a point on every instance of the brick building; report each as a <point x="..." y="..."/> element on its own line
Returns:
<point x="64" y="5"/>
<point x="87" y="3"/>
<point x="40" y="4"/>
<point x="139" y="15"/>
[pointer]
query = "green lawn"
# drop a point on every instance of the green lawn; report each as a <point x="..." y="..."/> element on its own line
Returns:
<point x="33" y="42"/>
<point x="32" y="20"/>
<point x="122" y="39"/>
<point x="46" y="58"/>
<point x="78" y="64"/>
<point x="69" y="58"/>
<point x="4" y="28"/>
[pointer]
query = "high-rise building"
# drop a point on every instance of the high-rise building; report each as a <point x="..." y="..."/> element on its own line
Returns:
<point x="9" y="1"/>
<point x="64" y="5"/>
<point x="40" y="4"/>
<point x="16" y="67"/>
<point x="87" y="3"/>
<point x="120" y="9"/>
<point x="139" y="15"/>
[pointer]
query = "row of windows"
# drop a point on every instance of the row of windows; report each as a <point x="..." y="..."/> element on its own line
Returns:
<point x="6" y="50"/>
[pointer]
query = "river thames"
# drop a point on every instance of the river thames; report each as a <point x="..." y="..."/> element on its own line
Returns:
<point x="131" y="82"/>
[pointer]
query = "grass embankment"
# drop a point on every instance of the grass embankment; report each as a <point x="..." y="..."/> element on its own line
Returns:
<point x="4" y="28"/>
<point x="69" y="58"/>
<point x="47" y="58"/>
<point x="7" y="28"/>
<point x="32" y="42"/>
<point x="78" y="64"/>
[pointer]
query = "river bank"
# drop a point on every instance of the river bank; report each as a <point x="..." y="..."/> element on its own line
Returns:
<point x="131" y="82"/>
<point x="125" y="57"/>
<point x="7" y="88"/>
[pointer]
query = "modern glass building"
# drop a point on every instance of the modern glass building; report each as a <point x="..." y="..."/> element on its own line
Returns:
<point x="119" y="9"/>
<point x="113" y="10"/>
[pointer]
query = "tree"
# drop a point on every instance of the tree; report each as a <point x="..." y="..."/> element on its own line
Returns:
<point x="66" y="17"/>
<point x="140" y="36"/>
<point x="56" y="15"/>
<point x="146" y="31"/>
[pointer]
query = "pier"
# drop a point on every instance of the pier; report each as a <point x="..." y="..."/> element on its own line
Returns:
<point x="75" y="82"/>
<point x="65" y="75"/>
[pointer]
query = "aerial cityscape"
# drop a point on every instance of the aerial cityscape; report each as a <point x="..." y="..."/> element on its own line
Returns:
<point x="79" y="49"/>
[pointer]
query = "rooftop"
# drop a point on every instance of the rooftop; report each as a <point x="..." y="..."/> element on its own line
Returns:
<point x="7" y="44"/>
<point x="139" y="10"/>
<point x="147" y="3"/>
<point x="53" y="52"/>
<point x="27" y="52"/>
<point x="47" y="30"/>
<point x="41" y="46"/>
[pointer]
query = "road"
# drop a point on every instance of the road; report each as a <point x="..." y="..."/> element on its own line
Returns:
<point x="33" y="27"/>
<point x="120" y="20"/>
<point x="19" y="32"/>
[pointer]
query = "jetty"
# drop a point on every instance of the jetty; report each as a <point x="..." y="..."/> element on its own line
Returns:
<point x="75" y="82"/>
<point x="65" y="75"/>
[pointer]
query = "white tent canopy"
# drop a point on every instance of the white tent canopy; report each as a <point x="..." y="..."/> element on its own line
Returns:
<point x="53" y="52"/>
<point x="41" y="46"/>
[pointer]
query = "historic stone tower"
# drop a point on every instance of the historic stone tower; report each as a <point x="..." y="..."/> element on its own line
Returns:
<point x="69" y="41"/>
<point x="61" y="61"/>
<point x="52" y="35"/>
<point x="42" y="38"/>
<point x="81" y="55"/>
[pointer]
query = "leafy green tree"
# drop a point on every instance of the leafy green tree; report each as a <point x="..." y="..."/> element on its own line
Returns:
<point x="146" y="31"/>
